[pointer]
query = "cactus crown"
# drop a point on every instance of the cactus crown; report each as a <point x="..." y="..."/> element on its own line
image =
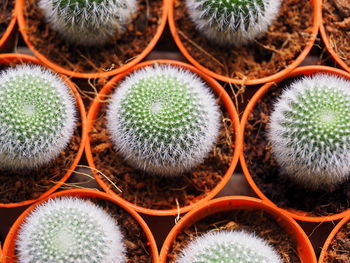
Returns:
<point x="88" y="22"/>
<point x="37" y="116"/>
<point x="232" y="22"/>
<point x="70" y="230"/>
<point x="310" y="131"/>
<point x="163" y="119"/>
<point x="228" y="247"/>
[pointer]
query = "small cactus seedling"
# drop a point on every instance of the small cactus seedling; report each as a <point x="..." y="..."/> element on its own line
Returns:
<point x="228" y="247"/>
<point x="70" y="230"/>
<point x="310" y="131"/>
<point x="37" y="117"/>
<point x="163" y="120"/>
<point x="88" y="22"/>
<point x="232" y="22"/>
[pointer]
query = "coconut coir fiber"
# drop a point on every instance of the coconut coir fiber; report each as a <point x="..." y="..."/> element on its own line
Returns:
<point x="336" y="21"/>
<point x="266" y="172"/>
<point x="257" y="221"/>
<point x="6" y="8"/>
<point x="273" y="52"/>
<point x="95" y="59"/>
<point x="339" y="248"/>
<point x="159" y="192"/>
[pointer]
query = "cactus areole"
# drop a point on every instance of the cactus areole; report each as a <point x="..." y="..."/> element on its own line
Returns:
<point x="163" y="119"/>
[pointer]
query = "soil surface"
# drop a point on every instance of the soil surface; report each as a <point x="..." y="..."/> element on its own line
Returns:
<point x="339" y="249"/>
<point x="273" y="52"/>
<point x="266" y="173"/>
<point x="95" y="59"/>
<point x="336" y="20"/>
<point x="17" y="186"/>
<point x="135" y="239"/>
<point x="156" y="192"/>
<point x="255" y="221"/>
<point x="6" y="7"/>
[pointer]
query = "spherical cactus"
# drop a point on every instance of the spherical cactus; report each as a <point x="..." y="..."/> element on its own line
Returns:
<point x="70" y="230"/>
<point x="88" y="22"/>
<point x="228" y="247"/>
<point x="232" y="22"/>
<point x="310" y="131"/>
<point x="37" y="117"/>
<point x="163" y="120"/>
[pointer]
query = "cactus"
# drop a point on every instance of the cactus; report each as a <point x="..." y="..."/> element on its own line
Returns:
<point x="310" y="131"/>
<point x="232" y="22"/>
<point x="163" y="120"/>
<point x="228" y="247"/>
<point x="70" y="230"/>
<point x="88" y="22"/>
<point x="37" y="117"/>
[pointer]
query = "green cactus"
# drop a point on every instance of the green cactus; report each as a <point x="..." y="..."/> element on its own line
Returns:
<point x="37" y="116"/>
<point x="232" y="22"/>
<point x="310" y="131"/>
<point x="163" y="120"/>
<point x="228" y="247"/>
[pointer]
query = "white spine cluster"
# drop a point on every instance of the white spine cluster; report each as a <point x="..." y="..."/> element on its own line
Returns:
<point x="70" y="230"/>
<point x="228" y="247"/>
<point x="232" y="22"/>
<point x="89" y="22"/>
<point x="163" y="119"/>
<point x="37" y="116"/>
<point x="310" y="131"/>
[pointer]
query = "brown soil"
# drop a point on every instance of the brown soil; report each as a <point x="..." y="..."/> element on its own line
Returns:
<point x="6" y="7"/>
<point x="336" y="20"/>
<point x="281" y="45"/>
<point x="255" y="221"/>
<point x="339" y="249"/>
<point x="135" y="239"/>
<point x="17" y="186"/>
<point x="160" y="192"/>
<point x="95" y="59"/>
<point x="266" y="173"/>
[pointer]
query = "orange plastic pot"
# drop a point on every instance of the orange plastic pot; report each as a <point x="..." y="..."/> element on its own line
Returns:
<point x="316" y="4"/>
<point x="329" y="46"/>
<point x="9" y="249"/>
<point x="12" y="59"/>
<point x="330" y="237"/>
<point x="8" y="39"/>
<point x="22" y="23"/>
<point x="304" y="248"/>
<point x="307" y="70"/>
<point x="220" y="92"/>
